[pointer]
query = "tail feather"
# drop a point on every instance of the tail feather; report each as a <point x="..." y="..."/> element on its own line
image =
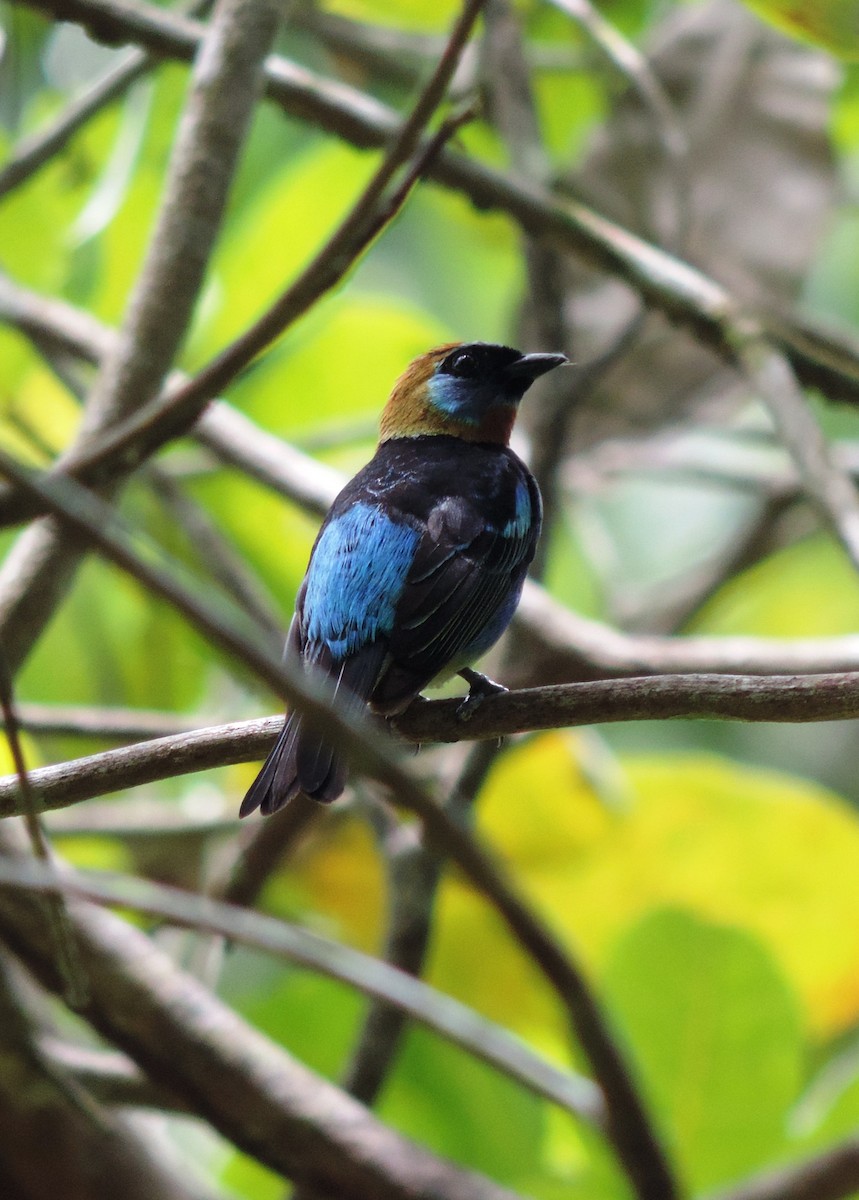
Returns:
<point x="301" y="760"/>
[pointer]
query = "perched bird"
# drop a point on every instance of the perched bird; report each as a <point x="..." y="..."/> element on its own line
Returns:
<point x="419" y="564"/>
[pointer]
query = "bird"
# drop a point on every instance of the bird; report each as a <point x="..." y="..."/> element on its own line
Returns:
<point x="419" y="564"/>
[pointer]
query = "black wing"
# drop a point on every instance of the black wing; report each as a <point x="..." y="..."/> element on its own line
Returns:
<point x="458" y="597"/>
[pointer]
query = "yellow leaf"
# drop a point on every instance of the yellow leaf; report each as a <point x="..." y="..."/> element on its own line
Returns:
<point x="764" y="852"/>
<point x="833" y="24"/>
<point x="339" y="872"/>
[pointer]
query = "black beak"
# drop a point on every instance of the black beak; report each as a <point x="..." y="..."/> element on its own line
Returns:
<point x="532" y="366"/>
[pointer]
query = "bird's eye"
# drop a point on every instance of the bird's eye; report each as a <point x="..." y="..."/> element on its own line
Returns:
<point x="463" y="364"/>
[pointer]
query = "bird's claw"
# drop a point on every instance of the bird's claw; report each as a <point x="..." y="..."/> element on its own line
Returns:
<point x="479" y="687"/>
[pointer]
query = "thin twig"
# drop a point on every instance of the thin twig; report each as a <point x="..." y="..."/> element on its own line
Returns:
<point x="826" y="484"/>
<point x="631" y="64"/>
<point x="35" y="151"/>
<point x="414" y="874"/>
<point x="109" y="1076"/>
<point x="176" y="411"/>
<point x="108" y="724"/>
<point x="75" y="991"/>
<point x="224" y="566"/>
<point x="40" y="148"/>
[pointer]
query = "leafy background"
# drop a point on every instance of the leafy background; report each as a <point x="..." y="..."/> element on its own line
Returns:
<point x="705" y="872"/>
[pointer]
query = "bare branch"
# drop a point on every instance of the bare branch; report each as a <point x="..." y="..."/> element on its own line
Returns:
<point x="680" y="291"/>
<point x="826" y="484"/>
<point x="113" y="724"/>
<point x="414" y="875"/>
<point x="110" y="1077"/>
<point x="562" y="645"/>
<point x="632" y="66"/>
<point x="41" y="147"/>
<point x="833" y="1175"/>
<point x="224" y="87"/>
<point x="246" y="1086"/>
<point x="781" y="699"/>
<point x="62" y="940"/>
<point x="90" y="1152"/>
<point x="444" y="1015"/>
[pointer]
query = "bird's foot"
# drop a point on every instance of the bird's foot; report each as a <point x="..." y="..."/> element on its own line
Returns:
<point x="479" y="687"/>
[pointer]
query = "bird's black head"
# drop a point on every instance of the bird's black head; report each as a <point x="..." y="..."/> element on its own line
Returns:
<point x="470" y="390"/>
<point x="478" y="376"/>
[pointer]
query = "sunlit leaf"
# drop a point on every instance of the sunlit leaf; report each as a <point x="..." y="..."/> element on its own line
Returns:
<point x="765" y="852"/>
<point x="716" y="1037"/>
<point x="833" y="24"/>
<point x="806" y="590"/>
<point x="425" y="15"/>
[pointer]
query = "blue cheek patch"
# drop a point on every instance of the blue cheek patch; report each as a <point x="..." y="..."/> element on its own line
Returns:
<point x="520" y="525"/>
<point x="461" y="399"/>
<point x="356" y="578"/>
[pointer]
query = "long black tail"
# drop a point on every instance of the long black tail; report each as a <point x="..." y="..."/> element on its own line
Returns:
<point x="302" y="760"/>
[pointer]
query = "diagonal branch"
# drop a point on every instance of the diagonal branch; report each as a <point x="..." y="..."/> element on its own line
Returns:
<point x="824" y="481"/>
<point x="224" y="87"/>
<point x="445" y="1016"/>
<point x="629" y="1126"/>
<point x="832" y="1175"/>
<point x="683" y="293"/>
<point x="248" y="1088"/>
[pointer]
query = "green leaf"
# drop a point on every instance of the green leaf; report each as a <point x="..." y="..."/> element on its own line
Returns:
<point x="716" y="1040"/>
<point x="808" y="589"/>
<point x="442" y="1097"/>
<point x="341" y="361"/>
<point x="268" y="242"/>
<point x="428" y="16"/>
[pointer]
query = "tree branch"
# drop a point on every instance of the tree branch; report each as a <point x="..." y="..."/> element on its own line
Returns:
<point x="224" y="88"/>
<point x="252" y="1091"/>
<point x="826" y="484"/>
<point x="779" y="699"/>
<point x="684" y="294"/>
<point x="56" y="1139"/>
<point x="832" y="1175"/>
<point x="290" y="943"/>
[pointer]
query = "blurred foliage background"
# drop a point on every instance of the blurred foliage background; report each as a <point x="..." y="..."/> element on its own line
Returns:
<point x="705" y="872"/>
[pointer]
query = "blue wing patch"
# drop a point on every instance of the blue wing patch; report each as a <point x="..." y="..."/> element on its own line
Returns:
<point x="356" y="578"/>
<point x="521" y="524"/>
